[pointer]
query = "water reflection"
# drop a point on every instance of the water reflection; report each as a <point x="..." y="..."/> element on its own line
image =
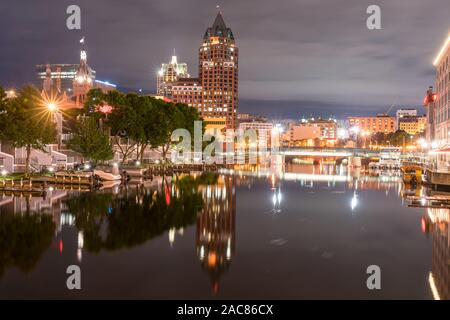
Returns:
<point x="103" y="220"/>
<point x="203" y="206"/>
<point x="215" y="235"/>
<point x="27" y="228"/>
<point x="435" y="223"/>
<point x="23" y="240"/>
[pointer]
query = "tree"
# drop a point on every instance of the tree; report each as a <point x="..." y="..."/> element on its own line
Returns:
<point x="26" y="122"/>
<point x="379" y="137"/>
<point x="124" y="121"/>
<point x="90" y="141"/>
<point x="170" y="117"/>
<point x="138" y="122"/>
<point x="121" y="121"/>
<point x="398" y="138"/>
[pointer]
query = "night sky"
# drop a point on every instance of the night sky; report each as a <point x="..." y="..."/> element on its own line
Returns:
<point x="297" y="57"/>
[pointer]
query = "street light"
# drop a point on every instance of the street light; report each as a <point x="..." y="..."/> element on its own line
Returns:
<point x="51" y="106"/>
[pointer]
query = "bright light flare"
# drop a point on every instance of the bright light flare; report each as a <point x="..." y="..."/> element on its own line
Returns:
<point x="355" y="129"/>
<point x="52" y="106"/>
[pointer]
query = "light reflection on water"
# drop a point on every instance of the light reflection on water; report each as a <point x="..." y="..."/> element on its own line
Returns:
<point x="303" y="232"/>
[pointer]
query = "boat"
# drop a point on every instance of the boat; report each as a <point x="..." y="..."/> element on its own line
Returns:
<point x="411" y="174"/>
<point x="106" y="176"/>
<point x="109" y="184"/>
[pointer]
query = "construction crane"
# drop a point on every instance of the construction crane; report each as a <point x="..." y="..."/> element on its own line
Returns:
<point x="390" y="108"/>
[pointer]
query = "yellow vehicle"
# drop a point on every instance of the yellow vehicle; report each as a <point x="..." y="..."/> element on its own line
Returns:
<point x="412" y="174"/>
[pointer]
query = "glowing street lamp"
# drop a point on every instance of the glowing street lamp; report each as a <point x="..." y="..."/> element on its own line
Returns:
<point x="355" y="130"/>
<point x="52" y="106"/>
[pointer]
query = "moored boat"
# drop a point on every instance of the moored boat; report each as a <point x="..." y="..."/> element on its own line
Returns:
<point x="412" y="174"/>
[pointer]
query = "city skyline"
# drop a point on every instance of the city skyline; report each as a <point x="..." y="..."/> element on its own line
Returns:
<point x="330" y="65"/>
<point x="210" y="151"/>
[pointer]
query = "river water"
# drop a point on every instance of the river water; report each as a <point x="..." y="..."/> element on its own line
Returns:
<point x="304" y="232"/>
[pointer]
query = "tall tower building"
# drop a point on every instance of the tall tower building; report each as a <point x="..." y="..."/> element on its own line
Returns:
<point x="84" y="80"/>
<point x="218" y="73"/>
<point x="169" y="74"/>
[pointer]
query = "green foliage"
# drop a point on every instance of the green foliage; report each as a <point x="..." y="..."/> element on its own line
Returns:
<point x="90" y="141"/>
<point x="143" y="121"/>
<point x="398" y="138"/>
<point x="26" y="122"/>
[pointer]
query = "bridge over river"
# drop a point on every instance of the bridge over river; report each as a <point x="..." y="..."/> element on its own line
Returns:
<point x="344" y="152"/>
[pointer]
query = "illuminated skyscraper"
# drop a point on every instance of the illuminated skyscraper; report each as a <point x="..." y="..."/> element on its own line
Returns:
<point x="218" y="72"/>
<point x="215" y="93"/>
<point x="169" y="74"/>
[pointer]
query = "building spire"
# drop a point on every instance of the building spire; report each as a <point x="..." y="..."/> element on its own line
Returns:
<point x="174" y="57"/>
<point x="83" y="55"/>
<point x="84" y="74"/>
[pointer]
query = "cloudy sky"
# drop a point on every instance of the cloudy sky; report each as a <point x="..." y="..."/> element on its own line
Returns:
<point x="297" y="57"/>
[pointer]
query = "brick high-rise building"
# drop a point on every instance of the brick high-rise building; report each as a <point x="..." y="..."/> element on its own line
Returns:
<point x="215" y="92"/>
<point x="218" y="72"/>
<point x="370" y="125"/>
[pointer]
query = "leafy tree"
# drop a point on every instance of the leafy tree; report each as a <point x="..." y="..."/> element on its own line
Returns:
<point x="3" y="99"/>
<point x="121" y="122"/>
<point x="125" y="122"/>
<point x="379" y="137"/>
<point x="90" y="141"/>
<point x="138" y="122"/>
<point x="398" y="138"/>
<point x="26" y="122"/>
<point x="169" y="118"/>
